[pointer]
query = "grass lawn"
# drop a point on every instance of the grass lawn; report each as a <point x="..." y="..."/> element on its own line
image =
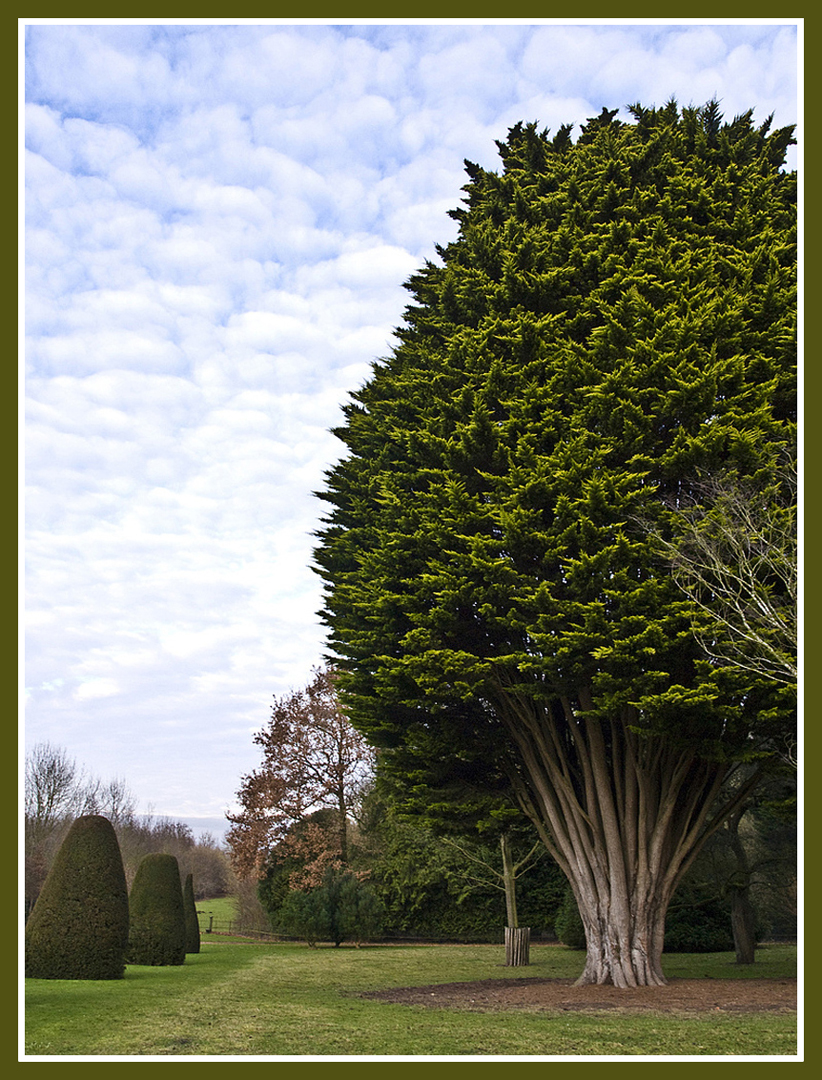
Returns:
<point x="246" y="998"/>
<point x="223" y="910"/>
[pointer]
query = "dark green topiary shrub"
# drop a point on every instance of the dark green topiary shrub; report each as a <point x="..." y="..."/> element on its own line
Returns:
<point x="568" y="925"/>
<point x="78" y="928"/>
<point x="157" y="922"/>
<point x="192" y="922"/>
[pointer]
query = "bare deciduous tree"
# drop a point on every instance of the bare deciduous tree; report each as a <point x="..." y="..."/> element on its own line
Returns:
<point x="57" y="790"/>
<point x="52" y="789"/>
<point x="112" y="799"/>
<point x="736" y="558"/>
<point x="481" y="870"/>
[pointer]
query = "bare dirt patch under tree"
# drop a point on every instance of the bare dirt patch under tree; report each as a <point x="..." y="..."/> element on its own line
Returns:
<point x="550" y="995"/>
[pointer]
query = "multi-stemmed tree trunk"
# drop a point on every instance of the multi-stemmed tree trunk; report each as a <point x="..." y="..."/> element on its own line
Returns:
<point x="624" y="817"/>
<point x="614" y="324"/>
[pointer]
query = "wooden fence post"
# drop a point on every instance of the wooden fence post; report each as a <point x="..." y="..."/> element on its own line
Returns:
<point x="517" y="946"/>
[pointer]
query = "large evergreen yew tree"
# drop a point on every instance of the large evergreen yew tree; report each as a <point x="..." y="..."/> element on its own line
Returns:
<point x="614" y="323"/>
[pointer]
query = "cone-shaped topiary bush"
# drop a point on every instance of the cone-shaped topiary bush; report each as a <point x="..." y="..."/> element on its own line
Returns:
<point x="157" y="923"/>
<point x="78" y="928"/>
<point x="192" y="922"/>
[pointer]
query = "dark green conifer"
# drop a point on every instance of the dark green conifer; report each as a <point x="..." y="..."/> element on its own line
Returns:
<point x="343" y="908"/>
<point x="615" y="321"/>
<point x="307" y="915"/>
<point x="192" y="922"/>
<point x="360" y="912"/>
<point x="78" y="928"/>
<point x="157" y="922"/>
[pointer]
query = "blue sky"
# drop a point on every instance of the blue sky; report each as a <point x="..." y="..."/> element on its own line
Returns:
<point x="218" y="221"/>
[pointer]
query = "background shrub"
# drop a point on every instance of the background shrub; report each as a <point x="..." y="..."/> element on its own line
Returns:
<point x="157" y="922"/>
<point x="78" y="928"/>
<point x="359" y="911"/>
<point x="305" y="915"/>
<point x="422" y="882"/>
<point x="568" y="925"/>
<point x="698" y="921"/>
<point x="343" y="908"/>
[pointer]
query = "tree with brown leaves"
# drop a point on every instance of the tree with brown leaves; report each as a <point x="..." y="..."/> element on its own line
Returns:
<point x="312" y="759"/>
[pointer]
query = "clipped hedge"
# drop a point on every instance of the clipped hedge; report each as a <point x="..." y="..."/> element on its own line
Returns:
<point x="78" y="929"/>
<point x="192" y="922"/>
<point x="157" y="922"/>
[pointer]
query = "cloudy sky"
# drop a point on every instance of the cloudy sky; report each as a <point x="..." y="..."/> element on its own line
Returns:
<point x="218" y="220"/>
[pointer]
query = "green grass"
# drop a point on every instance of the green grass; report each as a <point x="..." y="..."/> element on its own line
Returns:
<point x="245" y="998"/>
<point x="223" y="909"/>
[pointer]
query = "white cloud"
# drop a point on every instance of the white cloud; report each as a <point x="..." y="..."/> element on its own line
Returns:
<point x="479" y="71"/>
<point x="96" y="688"/>
<point x="46" y="139"/>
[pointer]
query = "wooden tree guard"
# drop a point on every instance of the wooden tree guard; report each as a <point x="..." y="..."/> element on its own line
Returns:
<point x="517" y="946"/>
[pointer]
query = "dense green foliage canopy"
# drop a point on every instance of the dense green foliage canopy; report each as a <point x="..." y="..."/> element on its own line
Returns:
<point x="79" y="926"/>
<point x="615" y="322"/>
